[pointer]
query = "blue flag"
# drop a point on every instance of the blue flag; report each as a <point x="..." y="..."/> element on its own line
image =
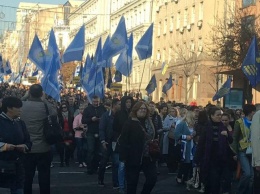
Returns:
<point x="124" y="63"/>
<point x="75" y="50"/>
<point x="96" y="85"/>
<point x="144" y="47"/>
<point x="151" y="85"/>
<point x="109" y="80"/>
<point x="118" y="76"/>
<point x="164" y="68"/>
<point x="7" y="68"/>
<point x="97" y="59"/>
<point x="108" y="62"/>
<point x="250" y="65"/>
<point x="85" y="74"/>
<point x="117" y="42"/>
<point x="36" y="53"/>
<point x="167" y="85"/>
<point x="223" y="91"/>
<point x="50" y="82"/>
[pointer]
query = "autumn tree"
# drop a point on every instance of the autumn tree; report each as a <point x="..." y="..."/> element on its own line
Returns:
<point x="188" y="61"/>
<point x="230" y="39"/>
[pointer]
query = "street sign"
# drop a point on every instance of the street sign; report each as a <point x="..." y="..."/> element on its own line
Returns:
<point x="116" y="87"/>
<point x="32" y="80"/>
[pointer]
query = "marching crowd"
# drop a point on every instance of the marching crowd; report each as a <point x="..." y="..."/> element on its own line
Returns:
<point x="208" y="148"/>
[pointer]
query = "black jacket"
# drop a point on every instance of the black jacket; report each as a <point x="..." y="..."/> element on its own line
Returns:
<point x="89" y="112"/>
<point x="132" y="142"/>
<point x="13" y="132"/>
<point x="121" y="116"/>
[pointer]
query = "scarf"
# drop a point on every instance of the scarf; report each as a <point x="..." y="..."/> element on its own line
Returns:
<point x="247" y="122"/>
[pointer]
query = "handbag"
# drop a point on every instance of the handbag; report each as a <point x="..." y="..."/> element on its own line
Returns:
<point x="51" y="128"/>
<point x="7" y="167"/>
<point x="154" y="148"/>
<point x="171" y="134"/>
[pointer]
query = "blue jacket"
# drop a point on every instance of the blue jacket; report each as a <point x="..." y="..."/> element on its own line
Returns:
<point x="180" y="133"/>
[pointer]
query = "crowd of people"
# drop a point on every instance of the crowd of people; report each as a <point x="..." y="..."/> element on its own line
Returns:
<point x="208" y="148"/>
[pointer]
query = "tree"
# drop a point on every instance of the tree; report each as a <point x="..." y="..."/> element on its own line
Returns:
<point x="230" y="39"/>
<point x="188" y="61"/>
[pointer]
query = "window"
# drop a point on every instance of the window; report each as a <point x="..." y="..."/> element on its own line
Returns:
<point x="164" y="53"/>
<point x="159" y="29"/>
<point x="185" y="21"/>
<point x="158" y="55"/>
<point x="170" y="54"/>
<point x="178" y="20"/>
<point x="171" y="24"/>
<point x="201" y="11"/>
<point x="192" y="21"/>
<point x="165" y="26"/>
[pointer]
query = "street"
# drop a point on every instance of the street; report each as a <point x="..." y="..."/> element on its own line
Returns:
<point x="74" y="180"/>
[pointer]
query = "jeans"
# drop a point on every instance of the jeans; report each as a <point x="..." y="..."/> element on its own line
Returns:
<point x="93" y="152"/>
<point x="121" y="174"/>
<point x="64" y="149"/>
<point x="132" y="176"/>
<point x="42" y="162"/>
<point x="245" y="185"/>
<point x="81" y="153"/>
<point x="102" y="166"/>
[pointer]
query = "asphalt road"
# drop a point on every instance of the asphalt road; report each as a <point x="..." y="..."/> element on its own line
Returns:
<point x="74" y="180"/>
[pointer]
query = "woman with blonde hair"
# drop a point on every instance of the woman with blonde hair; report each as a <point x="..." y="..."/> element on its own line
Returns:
<point x="183" y="135"/>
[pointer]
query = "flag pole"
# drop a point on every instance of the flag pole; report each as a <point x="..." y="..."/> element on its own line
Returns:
<point x="143" y="69"/>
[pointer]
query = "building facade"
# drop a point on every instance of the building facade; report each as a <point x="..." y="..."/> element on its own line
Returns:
<point x="181" y="38"/>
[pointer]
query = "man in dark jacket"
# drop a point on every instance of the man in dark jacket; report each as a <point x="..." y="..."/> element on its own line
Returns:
<point x="14" y="143"/>
<point x="108" y="140"/>
<point x="120" y="118"/>
<point x="91" y="117"/>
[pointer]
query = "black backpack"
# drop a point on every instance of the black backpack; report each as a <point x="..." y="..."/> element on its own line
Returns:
<point x="51" y="129"/>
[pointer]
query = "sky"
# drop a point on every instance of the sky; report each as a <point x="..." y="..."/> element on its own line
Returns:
<point x="8" y="10"/>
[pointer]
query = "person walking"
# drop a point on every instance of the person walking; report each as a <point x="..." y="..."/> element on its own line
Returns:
<point x="34" y="114"/>
<point x="137" y="132"/>
<point x="119" y="121"/>
<point x="91" y="117"/>
<point x="108" y="140"/>
<point x="66" y="146"/>
<point x="14" y="143"/>
<point x="242" y="147"/>
<point x="79" y="129"/>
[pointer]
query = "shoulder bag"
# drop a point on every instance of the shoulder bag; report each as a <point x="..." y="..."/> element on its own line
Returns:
<point x="154" y="148"/>
<point x="51" y="129"/>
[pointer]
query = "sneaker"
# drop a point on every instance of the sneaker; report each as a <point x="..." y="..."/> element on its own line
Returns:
<point x="101" y="184"/>
<point x="115" y="187"/>
<point x="84" y="164"/>
<point x="202" y="188"/>
<point x="81" y="165"/>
